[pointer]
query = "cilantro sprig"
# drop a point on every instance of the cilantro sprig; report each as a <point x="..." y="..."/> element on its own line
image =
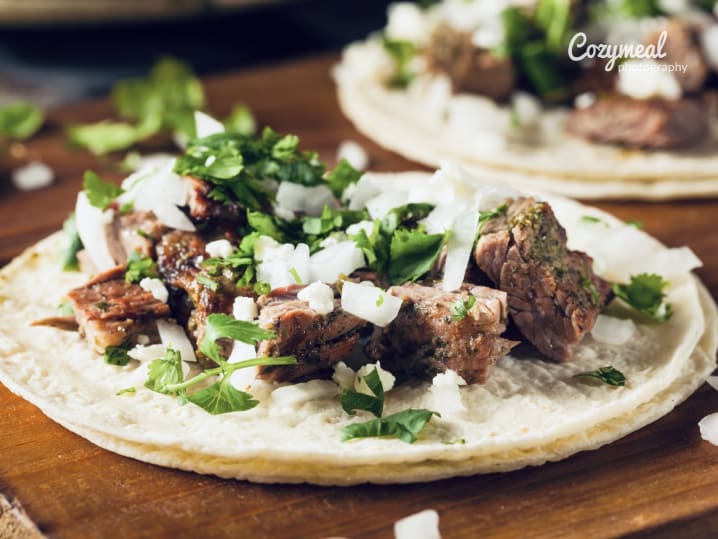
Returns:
<point x="20" y="120"/>
<point x="139" y="267"/>
<point x="342" y="177"/>
<point x="68" y="256"/>
<point x="404" y="425"/>
<point x="353" y="400"/>
<point x="608" y="375"/>
<point x="220" y="326"/>
<point x="100" y="193"/>
<point x="645" y="294"/>
<point x="461" y="307"/>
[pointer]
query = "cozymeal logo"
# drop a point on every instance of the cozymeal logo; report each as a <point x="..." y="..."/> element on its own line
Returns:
<point x="580" y="49"/>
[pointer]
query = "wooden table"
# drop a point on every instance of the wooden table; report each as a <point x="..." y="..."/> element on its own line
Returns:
<point x="660" y="482"/>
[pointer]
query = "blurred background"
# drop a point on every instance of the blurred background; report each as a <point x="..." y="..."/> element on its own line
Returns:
<point x="59" y="51"/>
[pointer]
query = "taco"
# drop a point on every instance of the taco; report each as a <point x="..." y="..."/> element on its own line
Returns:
<point x="585" y="99"/>
<point x="252" y="316"/>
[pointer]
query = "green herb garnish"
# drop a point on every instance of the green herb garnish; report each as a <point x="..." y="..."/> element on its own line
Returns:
<point x="413" y="254"/>
<point x="221" y="326"/>
<point x="402" y="52"/>
<point x="342" y="177"/>
<point x="404" y="425"/>
<point x="241" y="121"/>
<point x="139" y="267"/>
<point x="354" y="400"/>
<point x="116" y="355"/>
<point x="68" y="256"/>
<point x="607" y="375"/>
<point x="645" y="294"/>
<point x="99" y="192"/>
<point x="207" y="282"/>
<point x="126" y="391"/>
<point x="20" y="120"/>
<point x="460" y="309"/>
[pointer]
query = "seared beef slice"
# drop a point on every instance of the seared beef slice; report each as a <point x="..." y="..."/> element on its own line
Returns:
<point x="427" y="337"/>
<point x="318" y="341"/>
<point x="553" y="295"/>
<point x="112" y="312"/>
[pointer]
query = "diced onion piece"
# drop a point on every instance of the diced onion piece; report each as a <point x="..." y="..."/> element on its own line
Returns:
<point x="308" y="200"/>
<point x="156" y="288"/>
<point x="382" y="204"/>
<point x="355" y="155"/>
<point x="297" y="393"/>
<point x="423" y="525"/>
<point x="343" y="375"/>
<point x="319" y="296"/>
<point x="458" y="249"/>
<point x="370" y="303"/>
<point x="244" y="308"/>
<point x="359" y="193"/>
<point x="440" y="219"/>
<point x="219" y="248"/>
<point x="610" y="330"/>
<point x="406" y="22"/>
<point x="446" y="394"/>
<point x="242" y="379"/>
<point x="147" y="353"/>
<point x="366" y="226"/>
<point x="161" y="192"/>
<point x="283" y="264"/>
<point x="205" y="125"/>
<point x="386" y="378"/>
<point x="713" y="382"/>
<point x="173" y="335"/>
<point x="709" y="428"/>
<point x="327" y="265"/>
<point x="91" y="226"/>
<point x="34" y="175"/>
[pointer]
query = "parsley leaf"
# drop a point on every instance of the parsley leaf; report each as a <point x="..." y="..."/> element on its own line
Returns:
<point x="20" y="120"/>
<point x="68" y="256"/>
<point x="221" y="398"/>
<point x="99" y="192"/>
<point x="354" y="400"/>
<point x="404" y="425"/>
<point x="342" y="177"/>
<point x="412" y="254"/>
<point x="607" y="375"/>
<point x="241" y="121"/>
<point x="139" y="267"/>
<point x="221" y="326"/>
<point x="460" y="309"/>
<point x="645" y="294"/>
<point x="166" y="372"/>
<point x="116" y="355"/>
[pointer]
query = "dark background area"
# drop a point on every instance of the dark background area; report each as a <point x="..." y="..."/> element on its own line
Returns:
<point x="56" y="62"/>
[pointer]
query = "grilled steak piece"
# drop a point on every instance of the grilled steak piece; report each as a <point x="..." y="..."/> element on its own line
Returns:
<point x="471" y="70"/>
<point x="427" y="338"/>
<point x="553" y="295"/>
<point x="317" y="340"/>
<point x="682" y="47"/>
<point x="203" y="209"/>
<point x="653" y="124"/>
<point x="134" y="232"/>
<point x="112" y="312"/>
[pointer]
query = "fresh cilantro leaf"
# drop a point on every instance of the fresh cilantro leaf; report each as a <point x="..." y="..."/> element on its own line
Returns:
<point x="262" y="287"/>
<point x="380" y="300"/>
<point x="635" y="223"/>
<point x="68" y="256"/>
<point x="460" y="308"/>
<point x="99" y="192"/>
<point x="127" y="390"/>
<point x="241" y="121"/>
<point x="553" y="16"/>
<point x="354" y="400"/>
<point x="166" y="372"/>
<point x="221" y="326"/>
<point x="116" y="355"/>
<point x="645" y="294"/>
<point x="406" y="216"/>
<point x="402" y="52"/>
<point x="413" y="254"/>
<point x="221" y="398"/>
<point x="588" y="285"/>
<point x="295" y="275"/>
<point x="266" y="225"/>
<point x="342" y="177"/>
<point x="487" y="215"/>
<point x="20" y="120"/>
<point x="404" y="425"/>
<point x="106" y="136"/>
<point x="139" y="267"/>
<point x="607" y="375"/>
<point x="65" y="309"/>
<point x="208" y="282"/>
<point x="285" y="148"/>
<point x="592" y="220"/>
<point x="375" y="247"/>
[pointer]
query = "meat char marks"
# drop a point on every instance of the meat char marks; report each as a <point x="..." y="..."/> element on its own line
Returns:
<point x="553" y="295"/>
<point x="112" y="312"/>
<point x="436" y="330"/>
<point x="318" y="341"/>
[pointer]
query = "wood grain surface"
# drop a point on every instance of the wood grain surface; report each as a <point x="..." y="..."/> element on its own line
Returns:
<point x="659" y="482"/>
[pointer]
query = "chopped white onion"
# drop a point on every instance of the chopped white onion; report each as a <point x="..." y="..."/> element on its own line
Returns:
<point x="643" y="79"/>
<point x="283" y="264"/>
<point x="359" y="193"/>
<point x="244" y="308"/>
<point x="366" y="226"/>
<point x="205" y="125"/>
<point x="406" y="22"/>
<point x="355" y="155"/>
<point x="383" y="203"/>
<point x="156" y="288"/>
<point x="91" y="226"/>
<point x="319" y="296"/>
<point x="440" y="219"/>
<point x="709" y="428"/>
<point x="386" y="378"/>
<point x="34" y="175"/>
<point x="298" y="393"/>
<point x="446" y="394"/>
<point x="370" y="303"/>
<point x="458" y="249"/>
<point x="161" y="191"/>
<point x="610" y="330"/>
<point x="343" y="376"/>
<point x="423" y="525"/>
<point x="219" y="248"/>
<point x="308" y="200"/>
<point x="173" y="335"/>
<point x="147" y="353"/>
<point x="342" y="258"/>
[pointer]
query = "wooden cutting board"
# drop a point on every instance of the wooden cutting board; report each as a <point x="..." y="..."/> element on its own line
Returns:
<point x="660" y="482"/>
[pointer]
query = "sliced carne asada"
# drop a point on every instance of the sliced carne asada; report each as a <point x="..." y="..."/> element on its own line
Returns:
<point x="471" y="70"/>
<point x="318" y="341"/>
<point x="553" y="295"/>
<point x="135" y="232"/>
<point x="202" y="208"/>
<point x="112" y="312"/>
<point x="654" y="124"/>
<point x="436" y="330"/>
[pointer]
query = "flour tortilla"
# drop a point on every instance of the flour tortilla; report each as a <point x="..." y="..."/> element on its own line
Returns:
<point x="529" y="412"/>
<point x="404" y="122"/>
